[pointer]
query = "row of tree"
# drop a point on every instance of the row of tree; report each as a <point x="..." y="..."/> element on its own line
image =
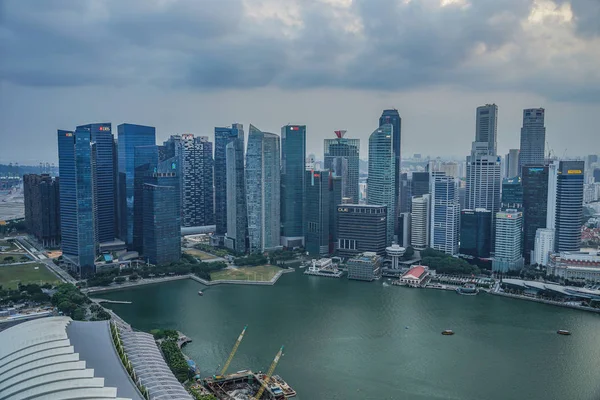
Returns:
<point x="30" y="293"/>
<point x="443" y="263"/>
<point x="175" y="360"/>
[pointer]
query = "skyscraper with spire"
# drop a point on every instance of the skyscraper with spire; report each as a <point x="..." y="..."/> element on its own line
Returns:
<point x="342" y="159"/>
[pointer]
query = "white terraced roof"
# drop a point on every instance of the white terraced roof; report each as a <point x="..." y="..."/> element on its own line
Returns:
<point x="38" y="361"/>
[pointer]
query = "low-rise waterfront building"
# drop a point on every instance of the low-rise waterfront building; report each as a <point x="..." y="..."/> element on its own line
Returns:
<point x="577" y="265"/>
<point x="365" y="267"/>
<point x="323" y="267"/>
<point x="415" y="276"/>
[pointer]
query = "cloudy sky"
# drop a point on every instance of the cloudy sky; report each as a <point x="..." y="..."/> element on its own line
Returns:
<point x="190" y="65"/>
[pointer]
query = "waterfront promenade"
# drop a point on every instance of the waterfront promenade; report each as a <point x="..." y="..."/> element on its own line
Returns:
<point x="544" y="301"/>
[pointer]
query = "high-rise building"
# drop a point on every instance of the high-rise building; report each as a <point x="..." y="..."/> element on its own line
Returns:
<point x="419" y="183"/>
<point x="361" y="228"/>
<point x="483" y="182"/>
<point x="293" y="155"/>
<point x="161" y="216"/>
<point x="533" y="138"/>
<point x="335" y="199"/>
<point x="475" y="233"/>
<point x="103" y="177"/>
<point x="318" y="207"/>
<point x="512" y="164"/>
<point x="336" y="151"/>
<point x="145" y="165"/>
<point x="544" y="246"/>
<point x="223" y="136"/>
<point x="262" y="190"/>
<point x="42" y="208"/>
<point x="509" y="241"/>
<point x="129" y="137"/>
<point x="596" y="175"/>
<point x="405" y="194"/>
<point x="237" y="211"/>
<point x="392" y="117"/>
<point x="486" y="128"/>
<point x="420" y="221"/>
<point x="535" y="180"/>
<point x="404" y="226"/>
<point x="569" y="205"/>
<point x="445" y="214"/>
<point x="197" y="179"/>
<point x="77" y="211"/>
<point x="512" y="193"/>
<point x="380" y="182"/>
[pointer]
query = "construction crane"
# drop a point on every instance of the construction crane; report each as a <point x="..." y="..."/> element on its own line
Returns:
<point x="269" y="374"/>
<point x="235" y="347"/>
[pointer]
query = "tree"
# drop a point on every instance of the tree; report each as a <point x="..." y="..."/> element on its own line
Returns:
<point x="120" y="279"/>
<point x="409" y="253"/>
<point x="79" y="314"/>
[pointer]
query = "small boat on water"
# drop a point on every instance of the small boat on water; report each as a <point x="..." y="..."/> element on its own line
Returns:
<point x="447" y="332"/>
<point x="200" y="293"/>
<point x="563" y="332"/>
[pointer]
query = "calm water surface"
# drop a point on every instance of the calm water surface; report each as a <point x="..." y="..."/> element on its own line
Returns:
<point x="348" y="340"/>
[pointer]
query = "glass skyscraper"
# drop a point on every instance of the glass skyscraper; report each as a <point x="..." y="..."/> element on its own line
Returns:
<point x="263" y="189"/>
<point x="569" y="205"/>
<point x="236" y="210"/>
<point x="130" y="136"/>
<point x="486" y="129"/>
<point x="512" y="193"/>
<point x="145" y="165"/>
<point x="476" y="233"/>
<point x="392" y="117"/>
<point x="197" y="181"/>
<point x="223" y="136"/>
<point x="77" y="216"/>
<point x="382" y="174"/>
<point x="533" y="138"/>
<point x="535" y="204"/>
<point x="293" y="159"/>
<point x="318" y="207"/>
<point x="445" y="213"/>
<point x="509" y="241"/>
<point x="348" y="149"/>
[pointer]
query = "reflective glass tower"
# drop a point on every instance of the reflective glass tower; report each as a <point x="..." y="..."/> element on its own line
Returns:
<point x="535" y="180"/>
<point x="533" y="138"/>
<point x="382" y="174"/>
<point x="445" y="213"/>
<point x="339" y="149"/>
<point x="263" y="189"/>
<point x="197" y="180"/>
<point x="392" y="117"/>
<point x="130" y="136"/>
<point x="237" y="212"/>
<point x="569" y="205"/>
<point x="223" y="136"/>
<point x="293" y="158"/>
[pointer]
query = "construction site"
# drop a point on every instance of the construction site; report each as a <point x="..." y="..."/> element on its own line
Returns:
<point x="247" y="385"/>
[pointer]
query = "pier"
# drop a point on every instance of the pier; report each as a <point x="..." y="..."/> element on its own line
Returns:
<point x="110" y="301"/>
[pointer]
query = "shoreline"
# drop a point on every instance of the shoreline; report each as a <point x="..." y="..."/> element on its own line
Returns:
<point x="548" y="302"/>
<point x="104" y="289"/>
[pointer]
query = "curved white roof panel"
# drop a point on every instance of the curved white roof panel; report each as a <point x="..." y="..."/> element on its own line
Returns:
<point x="57" y="358"/>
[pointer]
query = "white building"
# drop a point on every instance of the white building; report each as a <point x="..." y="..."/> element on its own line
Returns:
<point x="415" y="276"/>
<point x="509" y="241"/>
<point x="395" y="253"/>
<point x="583" y="266"/>
<point x="419" y="223"/>
<point x="445" y="213"/>
<point x="544" y="245"/>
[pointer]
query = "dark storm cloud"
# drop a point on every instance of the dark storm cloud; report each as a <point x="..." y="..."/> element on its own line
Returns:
<point x="215" y="44"/>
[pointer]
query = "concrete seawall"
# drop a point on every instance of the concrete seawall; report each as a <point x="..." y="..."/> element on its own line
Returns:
<point x="550" y="302"/>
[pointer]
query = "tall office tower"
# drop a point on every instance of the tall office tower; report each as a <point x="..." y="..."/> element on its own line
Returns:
<point x="512" y="193"/>
<point x="535" y="181"/>
<point x="361" y="228"/>
<point x="380" y="182"/>
<point x="450" y="168"/>
<point x="197" y="176"/>
<point x="475" y="233"/>
<point x="483" y="181"/>
<point x="118" y="190"/>
<point x="405" y="194"/>
<point x="145" y="164"/>
<point x="419" y="184"/>
<point x="42" y="208"/>
<point x="104" y="178"/>
<point x="486" y="128"/>
<point x="223" y="136"/>
<point x="293" y="154"/>
<point x="569" y="205"/>
<point x="509" y="241"/>
<point x="544" y="245"/>
<point x="339" y="149"/>
<point x="161" y="215"/>
<point x="392" y="117"/>
<point x="445" y="214"/>
<point x="318" y="207"/>
<point x="237" y="211"/>
<point x="404" y="220"/>
<point x="512" y="164"/>
<point x="596" y="175"/>
<point x="533" y="138"/>
<point x="77" y="214"/>
<point x="129" y="137"/>
<point x="262" y="190"/>
<point x="335" y="199"/>
<point x="420" y="221"/>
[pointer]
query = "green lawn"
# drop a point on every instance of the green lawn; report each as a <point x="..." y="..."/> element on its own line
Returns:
<point x="25" y="273"/>
<point x="259" y="273"/>
<point x="11" y="246"/>
<point x="199" y="254"/>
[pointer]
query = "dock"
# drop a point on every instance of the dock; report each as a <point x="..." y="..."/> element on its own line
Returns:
<point x="328" y="273"/>
<point x="245" y="384"/>
<point x="111" y="301"/>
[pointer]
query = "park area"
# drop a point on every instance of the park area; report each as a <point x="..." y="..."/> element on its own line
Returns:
<point x="6" y="245"/>
<point x="258" y="273"/>
<point x="199" y="254"/>
<point x="11" y="275"/>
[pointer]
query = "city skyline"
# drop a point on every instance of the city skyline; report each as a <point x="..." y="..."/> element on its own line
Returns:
<point x="170" y="79"/>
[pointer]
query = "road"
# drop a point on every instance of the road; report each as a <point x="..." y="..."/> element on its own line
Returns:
<point x="37" y="255"/>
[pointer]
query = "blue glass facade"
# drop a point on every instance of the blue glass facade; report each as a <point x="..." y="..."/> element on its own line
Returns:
<point x="223" y="136"/>
<point x="392" y="117"/>
<point x="77" y="217"/>
<point x="130" y="137"/>
<point x="104" y="178"/>
<point x="145" y="164"/>
<point x="293" y="165"/>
